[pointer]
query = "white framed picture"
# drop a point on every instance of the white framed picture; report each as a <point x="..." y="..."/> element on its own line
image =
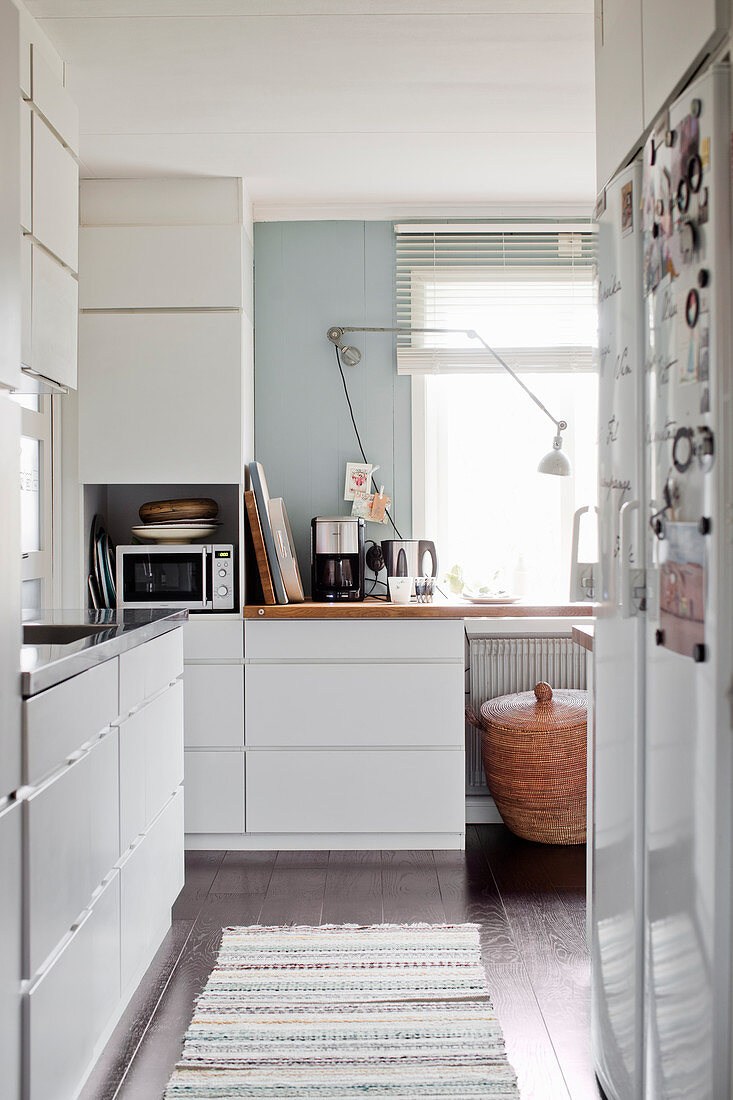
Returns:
<point x="358" y="478"/>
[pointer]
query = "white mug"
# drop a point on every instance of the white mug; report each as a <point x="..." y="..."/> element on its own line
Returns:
<point x="400" y="589"/>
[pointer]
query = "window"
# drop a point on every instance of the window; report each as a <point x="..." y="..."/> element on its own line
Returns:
<point x="35" y="500"/>
<point x="477" y="437"/>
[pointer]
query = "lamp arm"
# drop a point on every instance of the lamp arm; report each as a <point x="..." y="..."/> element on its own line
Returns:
<point x="559" y="424"/>
<point x="336" y="332"/>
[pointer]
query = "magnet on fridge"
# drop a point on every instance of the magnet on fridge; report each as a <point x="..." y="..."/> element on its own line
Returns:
<point x="696" y="108"/>
<point x="694" y="173"/>
<point x="683" y="196"/>
<point x="692" y="308"/>
<point x="687" y="244"/>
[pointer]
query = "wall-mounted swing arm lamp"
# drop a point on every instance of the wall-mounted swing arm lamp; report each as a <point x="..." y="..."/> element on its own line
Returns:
<point x="555" y="461"/>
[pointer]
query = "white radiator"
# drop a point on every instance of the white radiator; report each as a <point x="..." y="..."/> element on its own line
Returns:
<point x="500" y="664"/>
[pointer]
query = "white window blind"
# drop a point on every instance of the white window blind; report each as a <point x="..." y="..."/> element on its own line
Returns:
<point x="527" y="289"/>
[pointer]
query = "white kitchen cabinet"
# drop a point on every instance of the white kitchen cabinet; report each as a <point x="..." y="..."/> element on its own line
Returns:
<point x="151" y="761"/>
<point x="72" y="837"/>
<point x="160" y="396"/>
<point x="60" y="720"/>
<point x="359" y="791"/>
<point x="314" y="705"/>
<point x="10" y="955"/>
<point x="214" y="784"/>
<point x="146" y="670"/>
<point x="214" y="711"/>
<point x="160" y="267"/>
<point x="55" y="320"/>
<point x="26" y="219"/>
<point x="151" y="877"/>
<point x="26" y="301"/>
<point x="9" y="198"/>
<point x="354" y="639"/>
<point x="213" y="639"/>
<point x="55" y="195"/>
<point x="676" y="36"/>
<point x="619" y="83"/>
<point x="70" y="1003"/>
<point x="133" y="734"/>
<point x="164" y="749"/>
<point x="53" y="101"/>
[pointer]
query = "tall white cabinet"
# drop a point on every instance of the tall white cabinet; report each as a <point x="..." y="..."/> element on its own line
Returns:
<point x="644" y="52"/>
<point x="49" y="223"/>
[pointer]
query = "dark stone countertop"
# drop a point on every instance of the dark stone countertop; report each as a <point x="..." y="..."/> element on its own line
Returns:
<point x="44" y="666"/>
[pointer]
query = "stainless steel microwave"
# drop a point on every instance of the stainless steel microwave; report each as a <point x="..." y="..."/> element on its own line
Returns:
<point x="200" y="578"/>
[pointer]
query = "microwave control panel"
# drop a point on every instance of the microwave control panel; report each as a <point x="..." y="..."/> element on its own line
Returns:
<point x="222" y="579"/>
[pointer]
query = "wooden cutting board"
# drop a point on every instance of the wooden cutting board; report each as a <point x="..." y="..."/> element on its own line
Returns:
<point x="158" y="511"/>
<point x="258" y="541"/>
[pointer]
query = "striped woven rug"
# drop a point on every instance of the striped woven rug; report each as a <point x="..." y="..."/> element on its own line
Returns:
<point x="345" y="1011"/>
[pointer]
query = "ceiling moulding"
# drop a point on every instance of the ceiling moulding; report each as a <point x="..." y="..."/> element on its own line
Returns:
<point x="384" y="211"/>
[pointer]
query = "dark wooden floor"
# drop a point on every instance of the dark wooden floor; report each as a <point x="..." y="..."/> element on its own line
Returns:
<point x="529" y="900"/>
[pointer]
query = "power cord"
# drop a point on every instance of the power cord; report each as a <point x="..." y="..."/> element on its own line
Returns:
<point x="358" y="437"/>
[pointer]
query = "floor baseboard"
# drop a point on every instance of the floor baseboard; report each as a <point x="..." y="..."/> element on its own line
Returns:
<point x="481" y="810"/>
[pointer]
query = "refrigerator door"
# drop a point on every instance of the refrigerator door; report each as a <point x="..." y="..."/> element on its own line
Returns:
<point x="688" y="776"/>
<point x="617" y="856"/>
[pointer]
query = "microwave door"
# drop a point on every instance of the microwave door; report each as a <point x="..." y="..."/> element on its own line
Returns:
<point x="164" y="578"/>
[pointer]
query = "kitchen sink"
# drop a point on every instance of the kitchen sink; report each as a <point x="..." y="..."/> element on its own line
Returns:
<point x="58" y="634"/>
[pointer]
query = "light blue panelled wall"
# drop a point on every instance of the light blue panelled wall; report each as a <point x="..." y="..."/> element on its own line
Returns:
<point x="309" y="276"/>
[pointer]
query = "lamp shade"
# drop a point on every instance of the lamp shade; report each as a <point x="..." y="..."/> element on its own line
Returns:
<point x="555" y="462"/>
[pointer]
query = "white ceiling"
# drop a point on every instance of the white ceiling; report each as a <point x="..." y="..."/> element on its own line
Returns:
<point x="423" y="102"/>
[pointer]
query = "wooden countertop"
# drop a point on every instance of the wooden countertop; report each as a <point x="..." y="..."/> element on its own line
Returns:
<point x="585" y="636"/>
<point x="372" y="608"/>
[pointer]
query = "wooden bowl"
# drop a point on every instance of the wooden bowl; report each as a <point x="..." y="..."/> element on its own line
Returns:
<point x="161" y="511"/>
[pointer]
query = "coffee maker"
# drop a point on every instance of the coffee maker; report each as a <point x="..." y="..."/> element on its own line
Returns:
<point x="337" y="558"/>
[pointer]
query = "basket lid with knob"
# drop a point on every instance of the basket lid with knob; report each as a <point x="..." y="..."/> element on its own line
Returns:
<point x="541" y="709"/>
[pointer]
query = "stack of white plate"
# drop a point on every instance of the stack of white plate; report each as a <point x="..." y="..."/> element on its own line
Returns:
<point x="184" y="520"/>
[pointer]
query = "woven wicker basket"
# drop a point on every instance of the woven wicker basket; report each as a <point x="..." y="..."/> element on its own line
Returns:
<point x="534" y="752"/>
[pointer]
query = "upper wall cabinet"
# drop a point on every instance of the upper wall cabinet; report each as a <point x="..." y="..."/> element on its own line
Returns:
<point x="160" y="267"/>
<point x="619" y="102"/>
<point x="55" y="195"/>
<point x="676" y="35"/>
<point x="160" y="397"/>
<point x="54" y="320"/>
<point x="53" y="101"/>
<point x="645" y="51"/>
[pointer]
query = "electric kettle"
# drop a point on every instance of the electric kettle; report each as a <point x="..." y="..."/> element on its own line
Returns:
<point x="406" y="557"/>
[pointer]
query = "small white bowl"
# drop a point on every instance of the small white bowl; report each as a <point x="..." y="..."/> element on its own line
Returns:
<point x="400" y="589"/>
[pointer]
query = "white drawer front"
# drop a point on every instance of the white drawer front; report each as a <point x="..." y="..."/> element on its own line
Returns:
<point x="214" y="787"/>
<point x="150" y="667"/>
<point x="58" y="721"/>
<point x="72" y="834"/>
<point x="151" y="878"/>
<point x="214" y="711"/>
<point x="133" y="734"/>
<point x="55" y="320"/>
<point x="50" y="96"/>
<point x="355" y="791"/>
<point x="330" y="704"/>
<point x="164" y="749"/>
<point x="161" y="267"/>
<point x="55" y="195"/>
<point x="69" y="1006"/>
<point x="204" y="640"/>
<point x="355" y="640"/>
